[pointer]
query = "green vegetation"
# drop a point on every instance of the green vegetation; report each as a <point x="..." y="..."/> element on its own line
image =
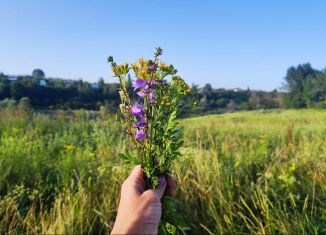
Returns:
<point x="70" y="94"/>
<point x="305" y="88"/>
<point x="247" y="172"/>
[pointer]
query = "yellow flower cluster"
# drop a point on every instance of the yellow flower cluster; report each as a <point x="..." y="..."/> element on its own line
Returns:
<point x="183" y="87"/>
<point x="165" y="100"/>
<point x="167" y="69"/>
<point x="120" y="69"/>
<point x="141" y="70"/>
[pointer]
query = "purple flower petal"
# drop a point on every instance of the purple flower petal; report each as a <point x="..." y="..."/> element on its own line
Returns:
<point x="140" y="135"/>
<point x="137" y="110"/>
<point x="140" y="123"/>
<point x="152" y="96"/>
<point x="139" y="83"/>
<point x="141" y="93"/>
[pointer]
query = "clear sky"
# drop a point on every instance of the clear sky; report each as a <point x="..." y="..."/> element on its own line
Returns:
<point x="226" y="43"/>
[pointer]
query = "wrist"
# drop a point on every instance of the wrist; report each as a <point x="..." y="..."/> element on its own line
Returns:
<point x="124" y="226"/>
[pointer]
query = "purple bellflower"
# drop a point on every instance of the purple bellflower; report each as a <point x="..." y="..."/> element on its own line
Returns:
<point x="139" y="83"/>
<point x="141" y="93"/>
<point x="137" y="110"/>
<point x="140" y="135"/>
<point x="140" y="123"/>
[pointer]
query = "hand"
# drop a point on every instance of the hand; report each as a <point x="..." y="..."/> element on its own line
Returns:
<point x="139" y="209"/>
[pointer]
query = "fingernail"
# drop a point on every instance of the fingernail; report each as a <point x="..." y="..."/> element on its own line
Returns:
<point x="162" y="180"/>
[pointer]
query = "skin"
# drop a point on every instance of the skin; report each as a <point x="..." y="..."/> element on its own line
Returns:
<point x="140" y="210"/>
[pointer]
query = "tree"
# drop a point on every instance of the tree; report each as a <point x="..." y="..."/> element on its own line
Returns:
<point x="129" y="83"/>
<point x="38" y="73"/>
<point x="254" y="100"/>
<point x="306" y="86"/>
<point x="207" y="90"/>
<point x="315" y="89"/>
<point x="4" y="90"/>
<point x="25" y="103"/>
<point x="16" y="90"/>
<point x="101" y="85"/>
<point x="295" y="80"/>
<point x="232" y="106"/>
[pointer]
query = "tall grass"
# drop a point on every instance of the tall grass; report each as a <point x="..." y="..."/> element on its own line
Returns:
<point x="251" y="172"/>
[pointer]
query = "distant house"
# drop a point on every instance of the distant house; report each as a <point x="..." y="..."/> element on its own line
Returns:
<point x="94" y="86"/>
<point x="42" y="82"/>
<point x="69" y="82"/>
<point x="237" y="89"/>
<point x="12" y="77"/>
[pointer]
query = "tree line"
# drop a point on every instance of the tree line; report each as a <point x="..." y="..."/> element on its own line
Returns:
<point x="304" y="87"/>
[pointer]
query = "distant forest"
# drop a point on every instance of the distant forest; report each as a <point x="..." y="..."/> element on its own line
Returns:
<point x="304" y="87"/>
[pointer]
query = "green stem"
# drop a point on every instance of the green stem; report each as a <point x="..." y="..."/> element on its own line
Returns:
<point x="128" y="117"/>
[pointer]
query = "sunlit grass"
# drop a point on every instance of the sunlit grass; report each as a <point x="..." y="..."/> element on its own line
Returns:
<point x="247" y="172"/>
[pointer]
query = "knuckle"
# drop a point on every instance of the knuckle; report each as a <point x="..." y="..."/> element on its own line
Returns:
<point x="125" y="184"/>
<point x="149" y="197"/>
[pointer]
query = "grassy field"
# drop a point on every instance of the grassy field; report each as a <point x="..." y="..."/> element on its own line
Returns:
<point x="248" y="172"/>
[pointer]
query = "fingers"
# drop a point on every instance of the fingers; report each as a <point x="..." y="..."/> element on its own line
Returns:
<point x="136" y="180"/>
<point x="161" y="187"/>
<point x="167" y="183"/>
<point x="156" y="194"/>
<point x="171" y="185"/>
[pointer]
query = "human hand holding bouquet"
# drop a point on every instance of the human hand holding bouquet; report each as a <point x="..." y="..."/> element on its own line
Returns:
<point x="140" y="208"/>
<point x="150" y="120"/>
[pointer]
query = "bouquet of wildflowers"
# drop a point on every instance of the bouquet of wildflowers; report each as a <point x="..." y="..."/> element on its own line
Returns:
<point x="149" y="115"/>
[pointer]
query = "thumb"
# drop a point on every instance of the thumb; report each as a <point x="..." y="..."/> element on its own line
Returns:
<point x="136" y="173"/>
<point x="159" y="191"/>
<point x="136" y="180"/>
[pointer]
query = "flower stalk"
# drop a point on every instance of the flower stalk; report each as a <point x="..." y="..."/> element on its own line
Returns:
<point x="151" y="122"/>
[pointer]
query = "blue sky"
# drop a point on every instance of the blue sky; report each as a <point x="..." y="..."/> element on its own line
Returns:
<point x="226" y="43"/>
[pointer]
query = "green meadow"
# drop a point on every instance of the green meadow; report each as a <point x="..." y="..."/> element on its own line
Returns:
<point x="260" y="172"/>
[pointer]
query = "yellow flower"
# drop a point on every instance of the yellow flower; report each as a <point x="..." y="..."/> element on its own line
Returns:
<point x="135" y="68"/>
<point x="141" y="62"/>
<point x="165" y="99"/>
<point x="163" y="66"/>
<point x="69" y="147"/>
<point x="292" y="168"/>
<point x="114" y="70"/>
<point x="126" y="66"/>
